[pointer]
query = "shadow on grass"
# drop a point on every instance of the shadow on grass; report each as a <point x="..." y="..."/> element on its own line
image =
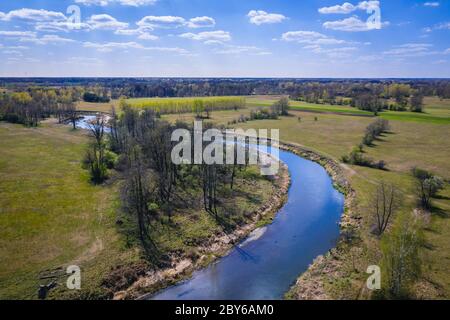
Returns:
<point x="439" y="212"/>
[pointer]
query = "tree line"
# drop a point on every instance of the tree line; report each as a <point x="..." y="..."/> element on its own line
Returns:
<point x="32" y="106"/>
<point x="139" y="148"/>
<point x="392" y="93"/>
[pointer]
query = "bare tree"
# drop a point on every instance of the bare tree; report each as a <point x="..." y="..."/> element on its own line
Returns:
<point x="385" y="202"/>
<point x="137" y="195"/>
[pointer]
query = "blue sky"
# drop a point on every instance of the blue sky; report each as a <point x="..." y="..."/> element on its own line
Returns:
<point x="225" y="38"/>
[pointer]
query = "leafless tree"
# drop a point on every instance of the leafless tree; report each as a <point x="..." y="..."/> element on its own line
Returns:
<point x="384" y="204"/>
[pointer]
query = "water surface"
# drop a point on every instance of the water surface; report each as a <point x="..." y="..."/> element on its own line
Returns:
<point x="267" y="263"/>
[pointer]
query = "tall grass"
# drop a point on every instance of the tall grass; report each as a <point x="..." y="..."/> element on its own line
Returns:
<point x="186" y="105"/>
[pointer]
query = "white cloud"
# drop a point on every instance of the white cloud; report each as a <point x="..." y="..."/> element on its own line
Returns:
<point x="64" y="26"/>
<point x="440" y="26"/>
<point x="162" y="22"/>
<point x="95" y="22"/>
<point x="137" y="3"/>
<point x="260" y="17"/>
<point x="105" y="22"/>
<point x="142" y="33"/>
<point x="235" y="50"/>
<point x="310" y="37"/>
<point x="103" y="3"/>
<point x="411" y="50"/>
<point x="147" y="36"/>
<point x="110" y="46"/>
<point x="47" y="39"/>
<point x="368" y="5"/>
<point x="169" y="49"/>
<point x="302" y="36"/>
<point x="18" y="34"/>
<point x="347" y="7"/>
<point x="168" y="22"/>
<point x="340" y="52"/>
<point x="33" y="15"/>
<point x="218" y="35"/>
<point x="431" y="4"/>
<point x="352" y="24"/>
<point x="344" y="8"/>
<point x="94" y="2"/>
<point x="201" y="22"/>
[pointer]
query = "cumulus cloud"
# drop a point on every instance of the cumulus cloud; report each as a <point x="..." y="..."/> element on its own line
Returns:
<point x="47" y="39"/>
<point x="260" y="17"/>
<point x="344" y="8"/>
<point x="147" y="36"/>
<point x="208" y="36"/>
<point x="162" y="22"/>
<point x="142" y="33"/>
<point x="431" y="4"/>
<point x="105" y="22"/>
<point x="310" y="37"/>
<point x="352" y="24"/>
<point x="61" y="26"/>
<point x="168" y="22"/>
<point x="347" y="7"/>
<point x="33" y="15"/>
<point x="95" y="22"/>
<point x="104" y="3"/>
<point x="201" y="22"/>
<point x="110" y="46"/>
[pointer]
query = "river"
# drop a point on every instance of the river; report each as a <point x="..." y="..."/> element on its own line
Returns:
<point x="268" y="262"/>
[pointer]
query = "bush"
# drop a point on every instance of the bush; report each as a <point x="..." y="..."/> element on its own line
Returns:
<point x="428" y="185"/>
<point x="374" y="130"/>
<point x="356" y="157"/>
<point x="111" y="159"/>
<point x="401" y="265"/>
<point x="93" y="97"/>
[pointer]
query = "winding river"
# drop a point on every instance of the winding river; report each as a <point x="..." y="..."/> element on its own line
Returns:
<point x="269" y="260"/>
<point x="267" y="263"/>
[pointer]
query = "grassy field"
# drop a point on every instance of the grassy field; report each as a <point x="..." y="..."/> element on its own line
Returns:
<point x="56" y="215"/>
<point x="305" y="106"/>
<point x="170" y="105"/>
<point x="51" y="216"/>
<point x="421" y="143"/>
<point x="436" y="110"/>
